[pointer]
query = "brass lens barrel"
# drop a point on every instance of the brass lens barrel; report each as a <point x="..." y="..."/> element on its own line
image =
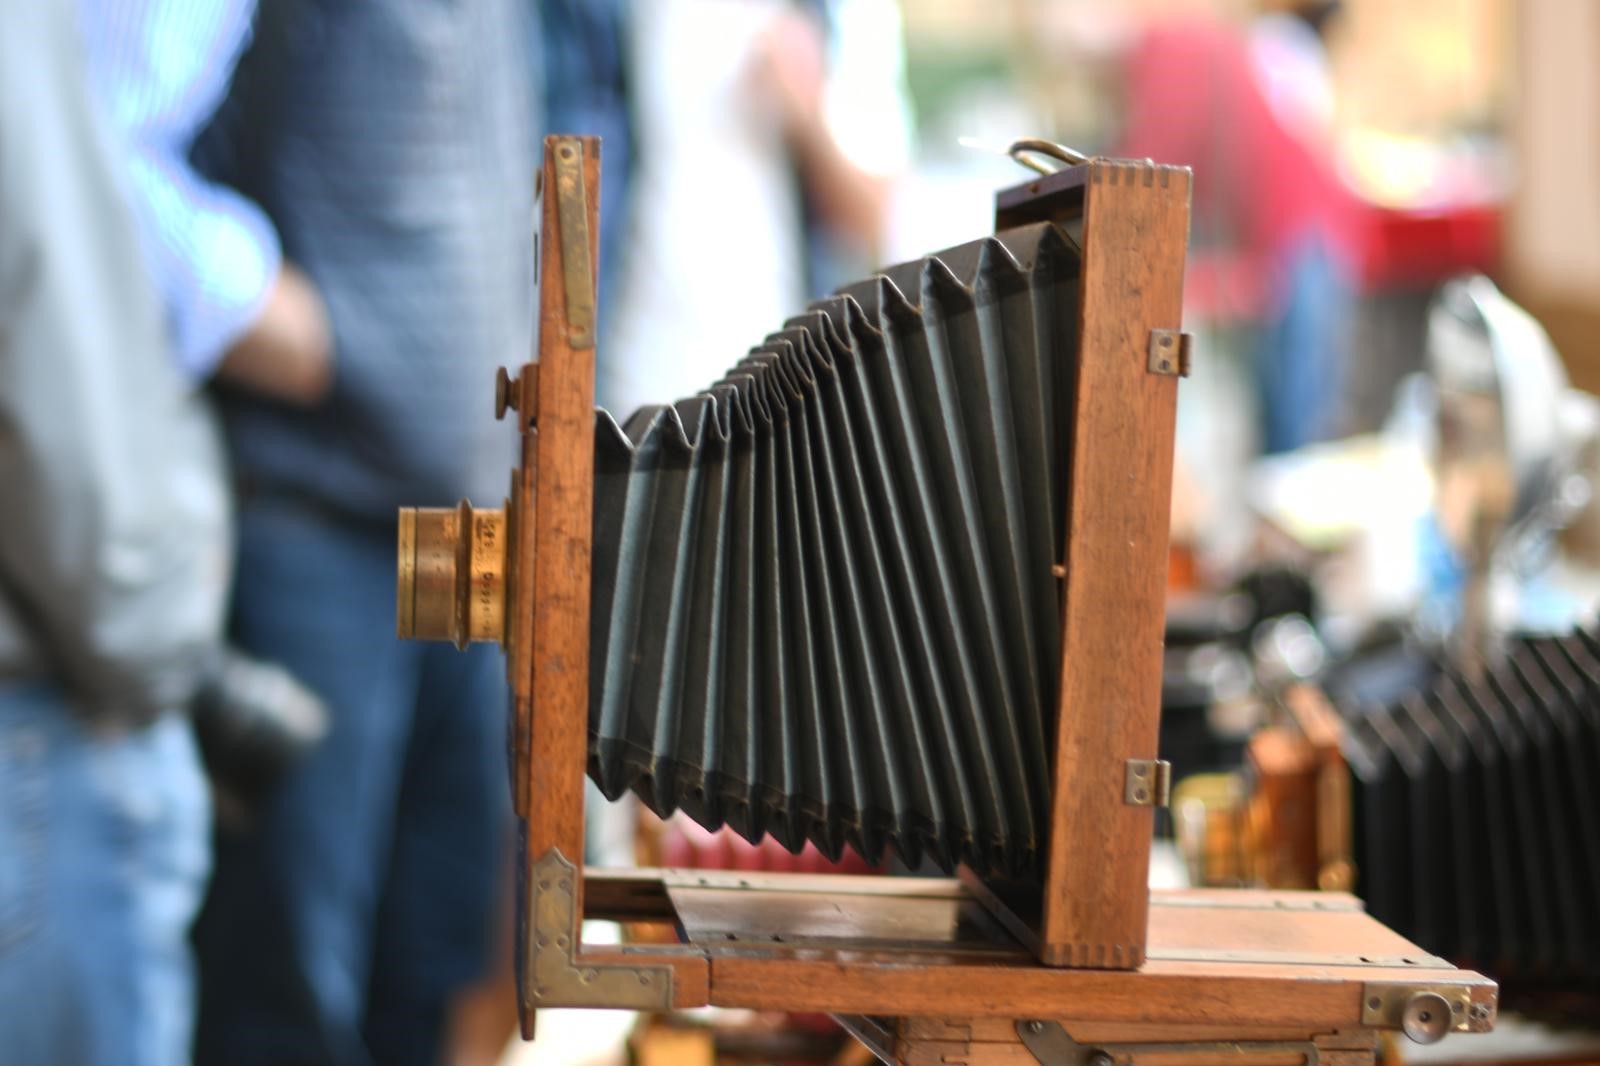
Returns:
<point x="451" y="576"/>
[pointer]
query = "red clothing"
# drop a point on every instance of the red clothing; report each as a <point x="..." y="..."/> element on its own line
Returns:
<point x="1193" y="98"/>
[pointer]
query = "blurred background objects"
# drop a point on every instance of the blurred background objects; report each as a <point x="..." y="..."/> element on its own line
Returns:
<point x="760" y="125"/>
<point x="1386" y="518"/>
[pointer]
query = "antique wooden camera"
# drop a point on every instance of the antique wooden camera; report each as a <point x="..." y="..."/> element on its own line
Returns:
<point x="895" y="583"/>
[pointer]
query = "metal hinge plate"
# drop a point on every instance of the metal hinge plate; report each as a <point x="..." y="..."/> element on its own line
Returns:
<point x="1147" y="783"/>
<point x="558" y="975"/>
<point x="1170" y="351"/>
<point x="577" y="253"/>
<point x="1424" y="1012"/>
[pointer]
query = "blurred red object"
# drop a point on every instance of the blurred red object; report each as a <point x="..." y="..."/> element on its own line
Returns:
<point x="686" y="844"/>
<point x="1409" y="247"/>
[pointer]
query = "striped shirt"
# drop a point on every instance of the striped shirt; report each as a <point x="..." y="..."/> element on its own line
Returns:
<point x="161" y="68"/>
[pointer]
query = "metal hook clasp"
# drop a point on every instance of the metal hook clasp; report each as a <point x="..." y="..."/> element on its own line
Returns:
<point x="1025" y="149"/>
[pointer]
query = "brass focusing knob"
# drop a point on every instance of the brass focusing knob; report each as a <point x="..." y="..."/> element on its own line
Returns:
<point x="452" y="575"/>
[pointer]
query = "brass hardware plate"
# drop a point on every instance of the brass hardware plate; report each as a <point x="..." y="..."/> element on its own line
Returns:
<point x="577" y="255"/>
<point x="1383" y="1005"/>
<point x="1147" y="783"/>
<point x="1170" y="351"/>
<point x="1052" y="1045"/>
<point x="559" y="976"/>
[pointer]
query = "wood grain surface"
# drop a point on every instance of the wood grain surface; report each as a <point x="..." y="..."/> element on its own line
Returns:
<point x="550" y="682"/>
<point x="1135" y="233"/>
<point x="562" y="517"/>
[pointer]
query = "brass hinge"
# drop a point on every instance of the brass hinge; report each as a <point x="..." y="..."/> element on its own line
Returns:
<point x="557" y="975"/>
<point x="1170" y="351"/>
<point x="1147" y="783"/>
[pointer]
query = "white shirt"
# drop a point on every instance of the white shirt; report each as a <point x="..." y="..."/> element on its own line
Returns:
<point x="716" y="255"/>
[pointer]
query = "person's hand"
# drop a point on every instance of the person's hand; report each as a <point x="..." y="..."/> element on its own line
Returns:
<point x="787" y="67"/>
<point x="287" y="353"/>
<point x="788" y="73"/>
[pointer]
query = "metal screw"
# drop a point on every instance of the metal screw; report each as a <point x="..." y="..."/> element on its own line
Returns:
<point x="1036" y="1027"/>
<point x="1099" y="1058"/>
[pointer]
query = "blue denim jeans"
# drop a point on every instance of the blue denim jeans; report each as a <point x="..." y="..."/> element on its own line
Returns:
<point x="104" y="849"/>
<point x="338" y="929"/>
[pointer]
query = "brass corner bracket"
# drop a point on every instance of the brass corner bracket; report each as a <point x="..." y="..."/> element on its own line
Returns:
<point x="559" y="975"/>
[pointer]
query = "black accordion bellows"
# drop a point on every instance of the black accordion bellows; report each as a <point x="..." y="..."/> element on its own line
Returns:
<point x="823" y="600"/>
<point x="1477" y="811"/>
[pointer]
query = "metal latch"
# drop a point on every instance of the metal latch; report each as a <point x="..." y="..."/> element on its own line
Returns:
<point x="1148" y="783"/>
<point x="1170" y="351"/>
<point x="1052" y="1045"/>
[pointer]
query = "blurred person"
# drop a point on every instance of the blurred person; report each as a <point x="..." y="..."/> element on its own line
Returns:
<point x="236" y="313"/>
<point x="768" y="134"/>
<point x="588" y="84"/>
<point x="235" y="309"/>
<point x="1251" y="113"/>
<point x="113" y="572"/>
<point x="391" y="145"/>
<point x="115" y="567"/>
